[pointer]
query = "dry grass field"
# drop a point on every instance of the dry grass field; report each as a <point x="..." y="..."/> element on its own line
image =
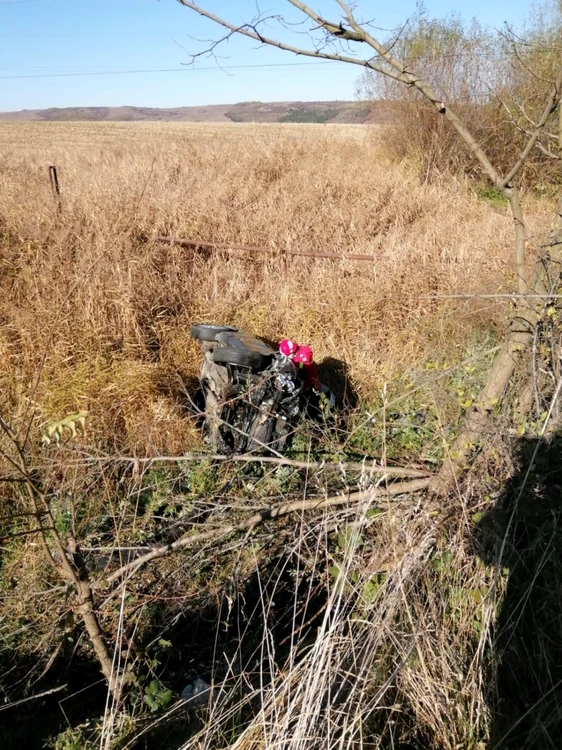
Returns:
<point x="92" y="302"/>
<point x="368" y="626"/>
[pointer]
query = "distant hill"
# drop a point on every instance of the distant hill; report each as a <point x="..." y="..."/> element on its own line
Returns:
<point x="299" y="112"/>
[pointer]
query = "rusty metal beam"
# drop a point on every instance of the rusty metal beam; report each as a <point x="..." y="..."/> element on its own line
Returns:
<point x="197" y="244"/>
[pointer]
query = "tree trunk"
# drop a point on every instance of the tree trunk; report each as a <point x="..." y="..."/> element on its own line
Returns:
<point x="87" y="612"/>
<point x="545" y="281"/>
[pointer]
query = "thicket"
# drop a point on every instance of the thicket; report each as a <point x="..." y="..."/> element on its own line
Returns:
<point x="309" y="115"/>
<point x="496" y="80"/>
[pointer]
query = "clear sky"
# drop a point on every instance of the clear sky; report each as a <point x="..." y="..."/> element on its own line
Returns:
<point x="42" y="42"/>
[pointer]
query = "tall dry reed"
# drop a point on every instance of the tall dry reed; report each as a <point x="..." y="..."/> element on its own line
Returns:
<point x="102" y="311"/>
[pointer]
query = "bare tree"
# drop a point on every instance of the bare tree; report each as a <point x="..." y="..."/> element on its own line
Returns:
<point x="65" y="559"/>
<point x="340" y="40"/>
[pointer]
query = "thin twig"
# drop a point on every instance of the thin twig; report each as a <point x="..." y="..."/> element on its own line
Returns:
<point x="551" y="103"/>
<point x="32" y="697"/>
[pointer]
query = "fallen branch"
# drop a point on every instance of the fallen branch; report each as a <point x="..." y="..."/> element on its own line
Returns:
<point x="388" y="471"/>
<point x="268" y="514"/>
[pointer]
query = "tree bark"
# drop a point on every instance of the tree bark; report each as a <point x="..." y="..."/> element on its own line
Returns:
<point x="545" y="281"/>
<point x="86" y="610"/>
<point x="73" y="572"/>
<point x="512" y="194"/>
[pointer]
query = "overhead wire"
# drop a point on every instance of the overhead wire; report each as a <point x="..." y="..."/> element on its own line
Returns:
<point x="162" y="70"/>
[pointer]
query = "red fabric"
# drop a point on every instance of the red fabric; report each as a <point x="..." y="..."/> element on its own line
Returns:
<point x="304" y="354"/>
<point x="288" y="347"/>
<point x="310" y="376"/>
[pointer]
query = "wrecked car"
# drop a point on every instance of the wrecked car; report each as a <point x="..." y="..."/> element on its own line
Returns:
<point x="253" y="394"/>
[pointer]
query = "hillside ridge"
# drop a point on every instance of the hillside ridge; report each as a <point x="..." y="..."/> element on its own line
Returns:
<point x="299" y="112"/>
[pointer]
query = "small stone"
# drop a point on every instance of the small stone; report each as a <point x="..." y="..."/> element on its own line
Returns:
<point x="198" y="692"/>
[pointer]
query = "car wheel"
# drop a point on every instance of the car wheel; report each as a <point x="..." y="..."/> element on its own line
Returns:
<point x="228" y="355"/>
<point x="208" y="332"/>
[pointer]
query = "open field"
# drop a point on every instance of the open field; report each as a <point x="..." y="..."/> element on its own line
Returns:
<point x="370" y="624"/>
<point x="107" y="310"/>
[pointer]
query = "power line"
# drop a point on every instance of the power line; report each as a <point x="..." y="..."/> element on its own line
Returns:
<point x="164" y="70"/>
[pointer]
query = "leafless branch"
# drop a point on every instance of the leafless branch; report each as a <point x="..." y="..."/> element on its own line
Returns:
<point x="269" y="514"/>
<point x="527" y="68"/>
<point x="512" y="35"/>
<point x="32" y="697"/>
<point x="368" y="466"/>
<point x="550" y="106"/>
<point x="252" y="32"/>
<point x="546" y="151"/>
<point x="553" y="136"/>
<point x="68" y="571"/>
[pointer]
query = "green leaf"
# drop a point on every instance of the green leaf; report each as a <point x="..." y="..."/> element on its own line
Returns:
<point x="372" y="587"/>
<point x="477" y="596"/>
<point x="334" y="571"/>
<point x="153" y="688"/>
<point x="165" y="698"/>
<point x="151" y="703"/>
<point x="73" y="423"/>
<point x="442" y="561"/>
<point x="349" y="540"/>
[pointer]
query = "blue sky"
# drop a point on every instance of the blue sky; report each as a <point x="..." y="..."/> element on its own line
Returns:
<point x="43" y="41"/>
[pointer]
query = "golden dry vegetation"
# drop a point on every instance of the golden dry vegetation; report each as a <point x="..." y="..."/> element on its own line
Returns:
<point x="370" y="625"/>
<point x="98" y="313"/>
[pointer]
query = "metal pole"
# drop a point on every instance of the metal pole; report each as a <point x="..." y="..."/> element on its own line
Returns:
<point x="54" y="178"/>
